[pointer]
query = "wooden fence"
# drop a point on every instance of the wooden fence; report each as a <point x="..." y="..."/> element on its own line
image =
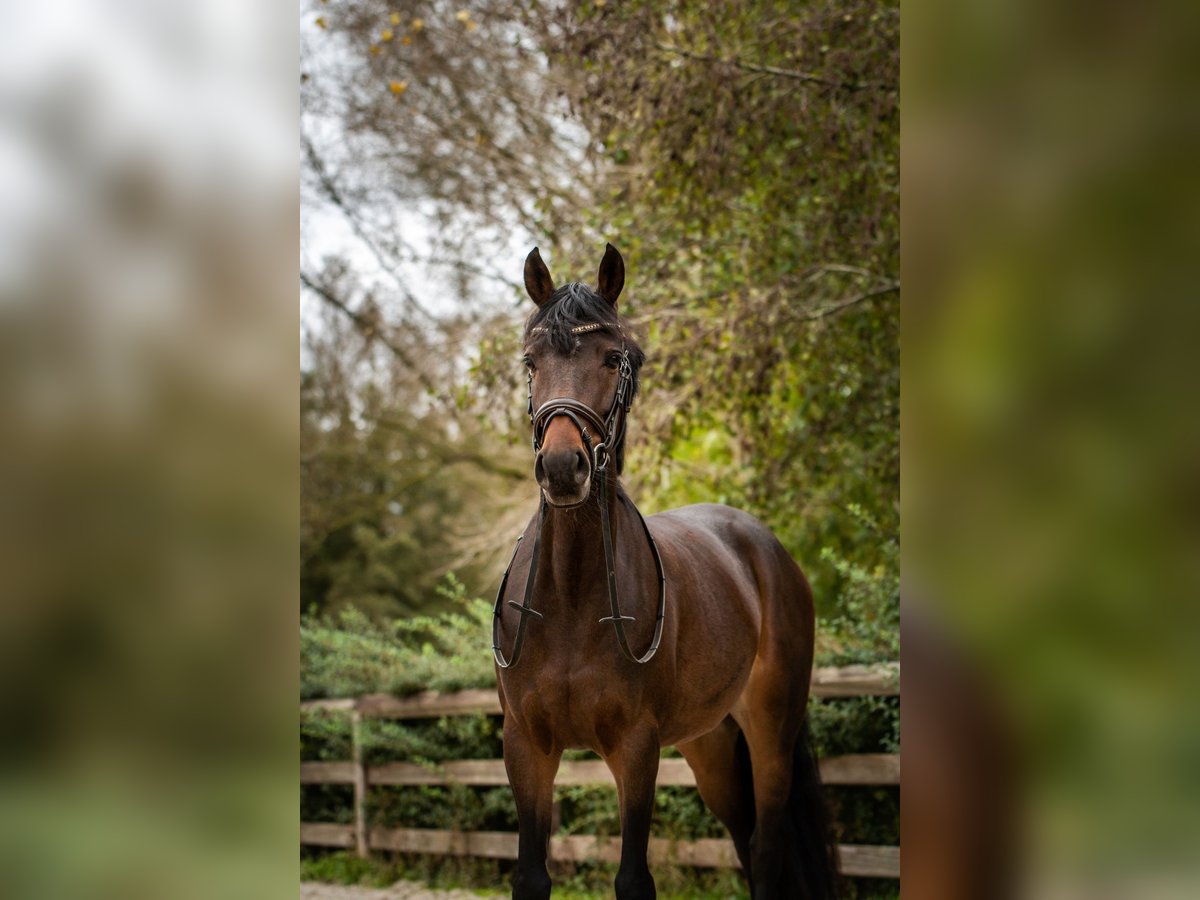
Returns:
<point x="856" y="769"/>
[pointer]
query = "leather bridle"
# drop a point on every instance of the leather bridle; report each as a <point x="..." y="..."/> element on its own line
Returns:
<point x="611" y="431"/>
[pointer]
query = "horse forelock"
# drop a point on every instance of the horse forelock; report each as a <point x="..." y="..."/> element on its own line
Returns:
<point x="571" y="306"/>
<point x="574" y="305"/>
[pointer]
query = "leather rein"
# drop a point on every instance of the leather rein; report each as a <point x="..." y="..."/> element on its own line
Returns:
<point x="610" y="430"/>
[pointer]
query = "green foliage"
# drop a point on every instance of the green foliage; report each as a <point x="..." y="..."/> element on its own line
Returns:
<point x="324" y="736"/>
<point x="351" y="654"/>
<point x="854" y="725"/>
<point x="346" y="868"/>
<point x="430" y="742"/>
<point x="679" y="813"/>
<point x="754" y="191"/>
<point x="453" y="807"/>
<point x="384" y="490"/>
<point x="865" y="626"/>
<point x="589" y="810"/>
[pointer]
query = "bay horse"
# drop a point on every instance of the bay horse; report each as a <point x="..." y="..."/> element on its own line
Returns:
<point x="693" y="627"/>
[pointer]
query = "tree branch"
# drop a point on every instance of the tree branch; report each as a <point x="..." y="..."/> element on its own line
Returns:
<point x="853" y="301"/>
<point x="371" y="331"/>
<point x="766" y="70"/>
<point x="448" y="454"/>
<point x="334" y="195"/>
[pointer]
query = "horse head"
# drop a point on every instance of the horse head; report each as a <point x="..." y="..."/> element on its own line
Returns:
<point x="582" y="374"/>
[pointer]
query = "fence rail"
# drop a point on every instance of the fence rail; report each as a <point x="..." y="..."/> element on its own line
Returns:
<point x="859" y="860"/>
<point x="830" y="681"/>
<point x="855" y="769"/>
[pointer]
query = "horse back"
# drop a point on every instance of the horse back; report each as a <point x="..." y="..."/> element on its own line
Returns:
<point x="726" y="547"/>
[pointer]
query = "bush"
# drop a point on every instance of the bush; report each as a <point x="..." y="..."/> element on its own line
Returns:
<point x="350" y="654"/>
<point x="865" y="627"/>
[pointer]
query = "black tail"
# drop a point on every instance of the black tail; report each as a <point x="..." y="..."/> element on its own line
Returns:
<point x="811" y="872"/>
<point x="742" y="829"/>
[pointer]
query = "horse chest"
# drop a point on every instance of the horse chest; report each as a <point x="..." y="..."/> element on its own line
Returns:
<point x="576" y="711"/>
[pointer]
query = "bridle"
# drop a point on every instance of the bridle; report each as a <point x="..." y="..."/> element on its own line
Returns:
<point x="611" y="428"/>
<point x="611" y="431"/>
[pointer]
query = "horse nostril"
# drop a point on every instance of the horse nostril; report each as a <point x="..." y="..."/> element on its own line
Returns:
<point x="562" y="471"/>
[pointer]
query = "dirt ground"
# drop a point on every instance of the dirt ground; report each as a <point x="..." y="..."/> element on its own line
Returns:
<point x="401" y="890"/>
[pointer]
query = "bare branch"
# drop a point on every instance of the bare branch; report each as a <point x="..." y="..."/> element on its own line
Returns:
<point x="767" y="70"/>
<point x="853" y="301"/>
<point x="371" y="331"/>
<point x="334" y="195"/>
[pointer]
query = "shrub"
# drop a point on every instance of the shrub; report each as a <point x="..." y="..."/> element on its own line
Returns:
<point x="350" y="654"/>
<point x="866" y="625"/>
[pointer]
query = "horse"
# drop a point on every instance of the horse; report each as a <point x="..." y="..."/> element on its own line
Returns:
<point x="693" y="627"/>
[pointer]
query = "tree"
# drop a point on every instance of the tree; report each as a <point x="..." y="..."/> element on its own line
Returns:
<point x="428" y="138"/>
<point x="744" y="157"/>
<point x="754" y="183"/>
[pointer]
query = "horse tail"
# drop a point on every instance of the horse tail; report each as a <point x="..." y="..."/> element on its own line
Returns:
<point x="812" y="871"/>
<point x="744" y="776"/>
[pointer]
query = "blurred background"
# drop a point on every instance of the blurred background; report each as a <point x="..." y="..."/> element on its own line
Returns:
<point x="161" y="490"/>
<point x="148" y="375"/>
<point x="1051" y="441"/>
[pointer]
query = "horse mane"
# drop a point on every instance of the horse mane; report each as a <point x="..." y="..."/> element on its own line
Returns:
<point x="576" y="304"/>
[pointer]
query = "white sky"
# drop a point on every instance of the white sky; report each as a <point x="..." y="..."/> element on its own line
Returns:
<point x="325" y="230"/>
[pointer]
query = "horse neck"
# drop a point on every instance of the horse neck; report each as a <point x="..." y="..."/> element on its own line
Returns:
<point x="574" y="547"/>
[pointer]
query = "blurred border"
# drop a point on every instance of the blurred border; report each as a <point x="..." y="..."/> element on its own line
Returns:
<point x="148" y="258"/>
<point x="1050" y="441"/>
<point x="148" y="463"/>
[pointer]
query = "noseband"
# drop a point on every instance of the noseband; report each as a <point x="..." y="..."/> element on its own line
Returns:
<point x="611" y="431"/>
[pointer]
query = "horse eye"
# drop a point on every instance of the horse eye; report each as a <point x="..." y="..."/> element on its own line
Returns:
<point x="612" y="360"/>
<point x="528" y="363"/>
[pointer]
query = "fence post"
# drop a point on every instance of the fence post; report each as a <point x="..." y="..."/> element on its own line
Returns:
<point x="360" y="786"/>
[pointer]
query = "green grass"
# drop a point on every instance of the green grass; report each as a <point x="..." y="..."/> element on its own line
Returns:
<point x="588" y="881"/>
<point x="346" y="868"/>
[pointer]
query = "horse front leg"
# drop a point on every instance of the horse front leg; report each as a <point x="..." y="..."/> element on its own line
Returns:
<point x="531" y="774"/>
<point x="635" y="767"/>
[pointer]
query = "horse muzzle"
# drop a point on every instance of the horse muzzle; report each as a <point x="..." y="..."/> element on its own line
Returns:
<point x="564" y="474"/>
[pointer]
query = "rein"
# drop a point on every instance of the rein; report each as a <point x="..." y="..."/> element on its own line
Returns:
<point x="610" y="430"/>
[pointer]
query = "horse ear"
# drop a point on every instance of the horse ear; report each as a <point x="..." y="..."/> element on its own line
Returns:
<point x="612" y="274"/>
<point x="538" y="282"/>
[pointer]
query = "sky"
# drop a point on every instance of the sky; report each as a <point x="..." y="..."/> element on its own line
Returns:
<point x="325" y="230"/>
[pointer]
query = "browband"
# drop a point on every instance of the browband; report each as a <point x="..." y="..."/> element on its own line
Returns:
<point x="578" y="329"/>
